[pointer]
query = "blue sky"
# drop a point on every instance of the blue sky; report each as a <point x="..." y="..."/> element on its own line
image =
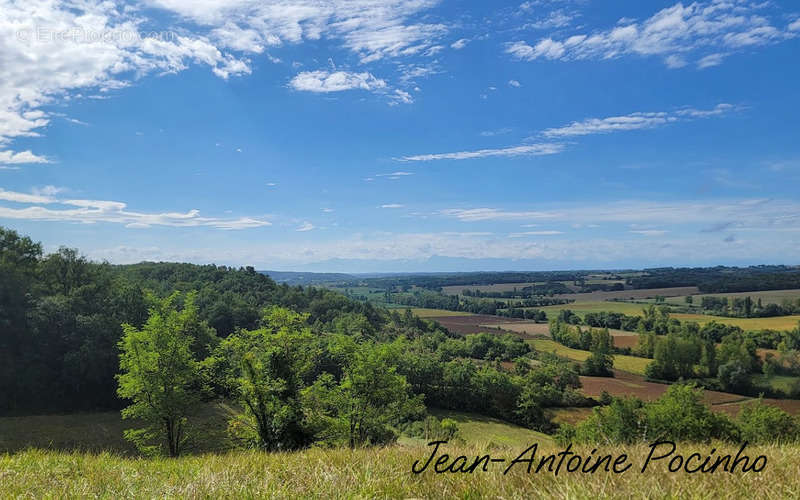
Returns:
<point x="418" y="135"/>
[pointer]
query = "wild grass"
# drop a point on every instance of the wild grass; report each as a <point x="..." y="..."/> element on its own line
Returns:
<point x="381" y="473"/>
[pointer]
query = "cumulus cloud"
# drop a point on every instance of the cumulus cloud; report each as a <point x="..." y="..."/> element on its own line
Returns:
<point x="673" y="33"/>
<point x="337" y="81"/>
<point x="20" y="157"/>
<point x="93" y="211"/>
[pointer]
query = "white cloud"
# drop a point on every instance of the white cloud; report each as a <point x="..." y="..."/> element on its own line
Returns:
<point x="51" y="48"/>
<point x="459" y="44"/>
<point x="25" y="198"/>
<point x="555" y="19"/>
<point x="395" y="175"/>
<point x="634" y="121"/>
<point x="757" y="213"/>
<point x="21" y="157"/>
<point x="514" y="83"/>
<point x="710" y="60"/>
<point x="534" y="233"/>
<point x="795" y="26"/>
<point x="649" y="232"/>
<point x="93" y="211"/>
<point x="675" y="61"/>
<point x="62" y="49"/>
<point x="387" y="247"/>
<point x="305" y="226"/>
<point x="371" y="29"/>
<point x="337" y="81"/>
<point x="392" y="205"/>
<point x="524" y="150"/>
<point x="673" y="33"/>
<point x="400" y="96"/>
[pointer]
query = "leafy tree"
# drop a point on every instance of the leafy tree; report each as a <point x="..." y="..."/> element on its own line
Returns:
<point x="680" y="415"/>
<point x="761" y="423"/>
<point x="622" y="421"/>
<point x="359" y="409"/>
<point x="265" y="372"/>
<point x="601" y="362"/>
<point x="160" y="375"/>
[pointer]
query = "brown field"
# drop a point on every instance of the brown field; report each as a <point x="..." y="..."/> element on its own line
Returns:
<point x="644" y="293"/>
<point x="628" y="384"/>
<point x="474" y="323"/>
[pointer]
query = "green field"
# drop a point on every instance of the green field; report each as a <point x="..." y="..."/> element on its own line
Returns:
<point x="383" y="473"/>
<point x="766" y="296"/>
<point x="774" y="323"/>
<point x="630" y="364"/>
<point x="581" y="308"/>
<point x="632" y="309"/>
<point x="490" y="432"/>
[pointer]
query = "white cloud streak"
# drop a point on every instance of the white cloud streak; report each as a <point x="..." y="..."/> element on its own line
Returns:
<point x="524" y="150"/>
<point x="634" y="121"/>
<point x="94" y="211"/>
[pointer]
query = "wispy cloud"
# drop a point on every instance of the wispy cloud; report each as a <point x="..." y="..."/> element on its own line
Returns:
<point x="395" y="175"/>
<point x="534" y="233"/>
<point x="459" y="44"/>
<point x="644" y="215"/>
<point x="305" y="226"/>
<point x="649" y="232"/>
<point x="93" y="211"/>
<point x="699" y="29"/>
<point x="392" y="205"/>
<point x="633" y="121"/>
<point x="524" y="150"/>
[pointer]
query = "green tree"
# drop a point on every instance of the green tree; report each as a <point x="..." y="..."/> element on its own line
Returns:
<point x="359" y="409"/>
<point x="265" y="370"/>
<point x="160" y="375"/>
<point x="762" y="423"/>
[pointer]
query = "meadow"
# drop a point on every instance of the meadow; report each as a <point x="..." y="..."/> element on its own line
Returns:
<point x="383" y="473"/>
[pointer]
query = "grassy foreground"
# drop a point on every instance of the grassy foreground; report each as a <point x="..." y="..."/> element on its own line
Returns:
<point x="377" y="473"/>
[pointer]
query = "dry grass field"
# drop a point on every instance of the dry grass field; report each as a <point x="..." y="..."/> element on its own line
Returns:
<point x="387" y="473"/>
